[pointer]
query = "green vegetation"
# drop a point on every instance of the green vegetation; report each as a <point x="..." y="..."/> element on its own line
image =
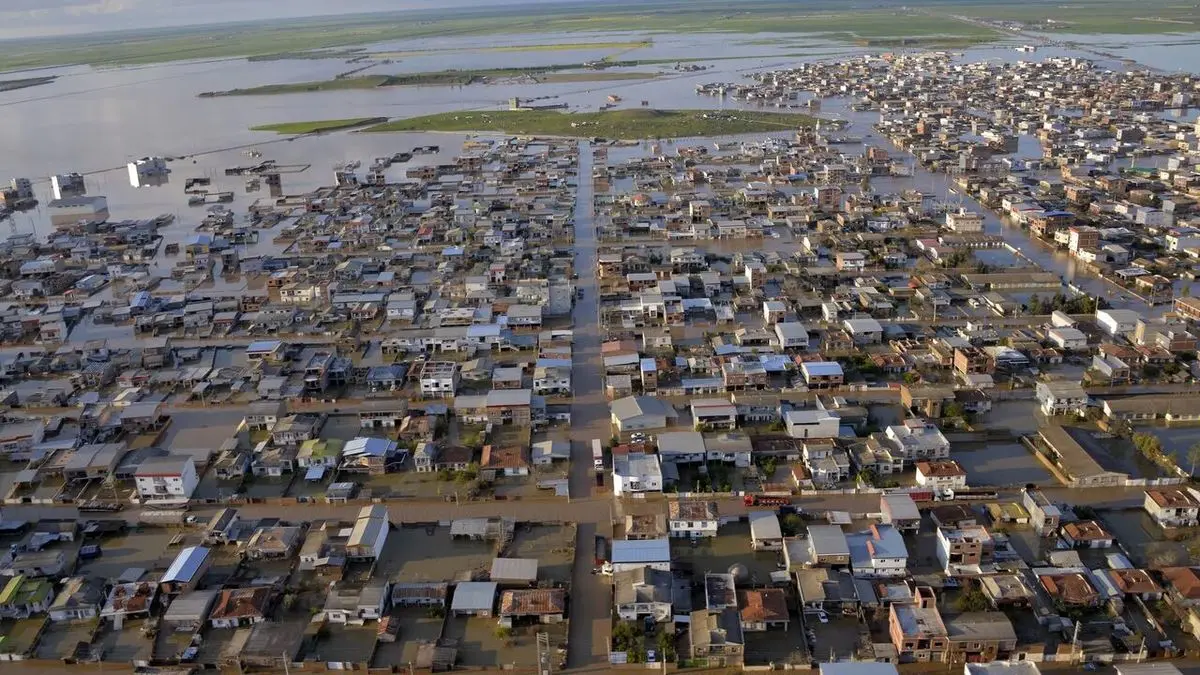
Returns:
<point x="618" y="124"/>
<point x="13" y="85"/>
<point x="318" y="126"/>
<point x="593" y="76"/>
<point x="436" y="78"/>
<point x="557" y="47"/>
<point x="972" y="601"/>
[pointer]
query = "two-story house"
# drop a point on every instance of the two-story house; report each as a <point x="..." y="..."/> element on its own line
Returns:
<point x="692" y="519"/>
<point x="1173" y="507"/>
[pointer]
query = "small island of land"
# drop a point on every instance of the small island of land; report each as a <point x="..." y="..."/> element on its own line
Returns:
<point x="13" y="85"/>
<point x="616" y="124"/>
<point x="319" y="126"/>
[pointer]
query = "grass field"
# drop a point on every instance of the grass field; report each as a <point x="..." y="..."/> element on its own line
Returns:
<point x="593" y="76"/>
<point x="319" y="126"/>
<point x="619" y="124"/>
<point x="557" y="47"/>
<point x="434" y="78"/>
<point x="13" y="85"/>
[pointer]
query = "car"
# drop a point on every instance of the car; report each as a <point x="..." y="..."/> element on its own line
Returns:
<point x="822" y="617"/>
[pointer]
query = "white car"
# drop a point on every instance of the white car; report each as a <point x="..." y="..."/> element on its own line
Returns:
<point x="822" y="617"/>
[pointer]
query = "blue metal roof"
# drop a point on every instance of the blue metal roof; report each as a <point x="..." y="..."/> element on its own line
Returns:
<point x="186" y="564"/>
<point x="641" y="551"/>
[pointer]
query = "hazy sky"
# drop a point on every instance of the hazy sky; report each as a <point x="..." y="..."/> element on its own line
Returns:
<point x="34" y="18"/>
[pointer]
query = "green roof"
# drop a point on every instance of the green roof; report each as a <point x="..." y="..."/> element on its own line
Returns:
<point x="323" y="447"/>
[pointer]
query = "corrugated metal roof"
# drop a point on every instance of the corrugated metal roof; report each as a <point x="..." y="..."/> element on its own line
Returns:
<point x="641" y="551"/>
<point x="186" y="564"/>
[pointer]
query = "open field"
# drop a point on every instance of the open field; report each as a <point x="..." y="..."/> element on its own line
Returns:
<point x="593" y="76"/>
<point x="924" y="19"/>
<point x="556" y="47"/>
<point x="623" y="124"/>
<point x="318" y="126"/>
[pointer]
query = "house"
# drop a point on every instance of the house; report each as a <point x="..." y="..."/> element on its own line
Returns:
<point x="817" y="423"/>
<point x="369" y="534"/>
<point x="188" y="612"/>
<point x="641" y="413"/>
<point x="356" y="603"/>
<point x="79" y="599"/>
<point x="421" y="594"/>
<point x="221" y="527"/>
<point x="1061" y="398"/>
<point x="980" y="637"/>
<point x="366" y="454"/>
<point x="239" y="607"/>
<point x="630" y="554"/>
<point x="438" y="379"/>
<point x="1086" y="534"/>
<point x="508" y="460"/>
<point x="187" y="570"/>
<point x="130" y="600"/>
<point x="636" y="472"/>
<point x="916" y="629"/>
<point x="545" y="453"/>
<point x="474" y="598"/>
<point x="169" y="478"/>
<point x="1117" y="322"/>
<point x="964" y="546"/>
<point x="864" y="331"/>
<point x="916" y="439"/>
<point x="765" y="532"/>
<point x="643" y="592"/>
<point x="900" y="511"/>
<point x="941" y="475"/>
<point x="1068" y="338"/>
<point x="23" y="597"/>
<point x="681" y="447"/>
<point x="543" y="605"/>
<point x="714" y="413"/>
<point x="1065" y="448"/>
<point x="514" y="571"/>
<point x="763" y="609"/>
<point x="692" y="519"/>
<point x="1006" y="590"/>
<point x="826" y="546"/>
<point x="716" y="637"/>
<point x="792" y="335"/>
<point x="878" y="553"/>
<point x="822" y="374"/>
<point x="1071" y="589"/>
<point x="276" y="542"/>
<point x="1173" y="507"/>
<point x="262" y="415"/>
<point x="1044" y="515"/>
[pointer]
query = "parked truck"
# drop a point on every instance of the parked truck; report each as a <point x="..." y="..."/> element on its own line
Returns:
<point x="597" y="454"/>
<point x="766" y="500"/>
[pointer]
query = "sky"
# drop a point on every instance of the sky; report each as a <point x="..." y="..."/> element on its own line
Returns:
<point x="43" y="18"/>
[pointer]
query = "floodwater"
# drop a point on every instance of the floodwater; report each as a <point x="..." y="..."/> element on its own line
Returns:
<point x="94" y="120"/>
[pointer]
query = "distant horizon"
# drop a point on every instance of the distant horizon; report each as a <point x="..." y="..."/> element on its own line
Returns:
<point x="48" y="19"/>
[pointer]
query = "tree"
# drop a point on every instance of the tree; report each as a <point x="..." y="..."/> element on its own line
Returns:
<point x="666" y="644"/>
<point x="972" y="601"/>
<point x="792" y="524"/>
<point x="1193" y="456"/>
<point x="954" y="409"/>
<point x="1035" y="305"/>
<point x="911" y="377"/>
<point x="624" y="635"/>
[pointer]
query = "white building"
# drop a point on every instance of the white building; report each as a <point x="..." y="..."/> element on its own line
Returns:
<point x="171" y="478"/>
<point x="628" y="554"/>
<point x="792" y="335"/>
<point x="636" y="473"/>
<point x="963" y="221"/>
<point x="917" y="440"/>
<point x="66" y="185"/>
<point x="1117" y="322"/>
<point x="878" y="553"/>
<point x="864" y="331"/>
<point x="692" y="519"/>
<point x="439" y="379"/>
<point x="1068" y="338"/>
<point x="941" y="475"/>
<point x="1173" y="507"/>
<point x="369" y="534"/>
<point x="147" y="170"/>
<point x="811" y="423"/>
<point x="1061" y="398"/>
